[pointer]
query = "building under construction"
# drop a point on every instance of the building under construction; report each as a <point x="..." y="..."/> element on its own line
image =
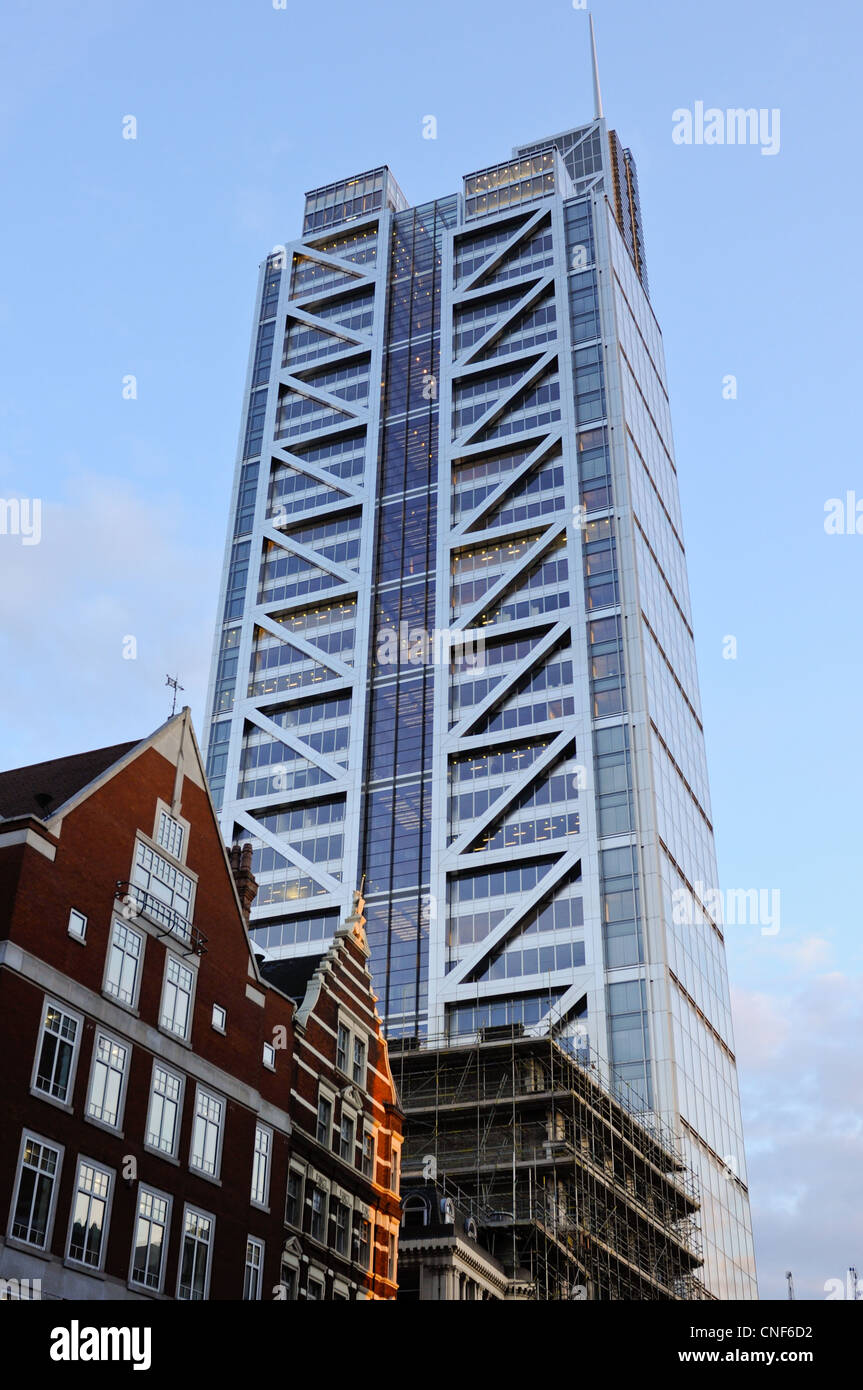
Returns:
<point x="576" y="1189"/>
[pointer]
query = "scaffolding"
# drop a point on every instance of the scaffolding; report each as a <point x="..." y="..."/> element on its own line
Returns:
<point x="578" y="1190"/>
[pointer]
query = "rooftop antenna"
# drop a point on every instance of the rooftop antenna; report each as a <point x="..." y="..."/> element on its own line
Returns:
<point x="597" y="94"/>
<point x="790" y="1277"/>
<point x="174" y="683"/>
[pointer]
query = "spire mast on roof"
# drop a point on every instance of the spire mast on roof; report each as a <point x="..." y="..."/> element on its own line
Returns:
<point x="597" y="94"/>
<point x="174" y="683"/>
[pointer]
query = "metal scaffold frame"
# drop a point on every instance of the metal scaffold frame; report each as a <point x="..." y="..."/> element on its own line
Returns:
<point x="575" y="1188"/>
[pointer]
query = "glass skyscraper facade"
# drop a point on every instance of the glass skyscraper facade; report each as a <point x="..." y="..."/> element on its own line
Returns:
<point x="455" y="659"/>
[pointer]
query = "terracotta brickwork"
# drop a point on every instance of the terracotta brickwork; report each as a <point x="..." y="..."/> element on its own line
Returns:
<point x="159" y="1083"/>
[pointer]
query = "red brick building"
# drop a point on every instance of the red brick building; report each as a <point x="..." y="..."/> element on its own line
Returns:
<point x="181" y="1119"/>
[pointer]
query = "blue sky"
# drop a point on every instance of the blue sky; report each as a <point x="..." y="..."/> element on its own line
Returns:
<point x="140" y="257"/>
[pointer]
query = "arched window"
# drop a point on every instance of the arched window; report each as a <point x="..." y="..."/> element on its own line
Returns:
<point x="416" y="1209"/>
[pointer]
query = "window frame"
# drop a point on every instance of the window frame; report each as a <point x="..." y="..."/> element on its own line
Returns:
<point x="262" y="1205"/>
<point x="182" y="963"/>
<point x="66" y="1103"/>
<point x="111" y="1174"/>
<point x="145" y="1187"/>
<point x="19" y="1241"/>
<point x="162" y="925"/>
<point x="174" y="1154"/>
<point x="360" y="1080"/>
<point x="163" y="809"/>
<point x="338" y="1204"/>
<point x="294" y="1170"/>
<point x="317" y="1186"/>
<point x="207" y="1216"/>
<point x="259" y="1271"/>
<point x="355" y="1035"/>
<point x="415" y="1203"/>
<point x="215" y="1176"/>
<point x="77" y="935"/>
<point x="132" y="1004"/>
<point x="395" y="1167"/>
<point x="98" y="1034"/>
<point x="289" y="1278"/>
<point x="348" y="1117"/>
<point x="361" y="1219"/>
<point x="223" y="1026"/>
<point x="325" y="1097"/>
<point x="369" y="1134"/>
<point x="342" y="1066"/>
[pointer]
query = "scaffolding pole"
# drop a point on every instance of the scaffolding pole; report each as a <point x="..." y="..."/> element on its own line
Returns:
<point x="577" y="1189"/>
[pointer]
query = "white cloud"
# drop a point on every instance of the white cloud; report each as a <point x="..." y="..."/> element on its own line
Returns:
<point x="802" y="1078"/>
<point x="810" y="954"/>
<point x="762" y="1022"/>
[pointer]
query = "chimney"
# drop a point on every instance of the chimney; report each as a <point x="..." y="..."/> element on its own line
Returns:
<point x="247" y="884"/>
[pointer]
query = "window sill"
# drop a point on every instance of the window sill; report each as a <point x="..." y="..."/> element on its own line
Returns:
<point x="81" y="940"/>
<point x="52" y="1100"/>
<point x="157" y="930"/>
<point x="167" y="934"/>
<point x="120" y="1004"/>
<point x="84" y="1269"/>
<point x="258" y="1206"/>
<point x="106" y="1128"/>
<point x="175" y="1037"/>
<point x="39" y="1252"/>
<point x="207" y="1177"/>
<point x="160" y="1153"/>
<point x="142" y="1291"/>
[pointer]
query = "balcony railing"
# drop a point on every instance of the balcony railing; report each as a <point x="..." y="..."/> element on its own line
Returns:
<point x="166" y="919"/>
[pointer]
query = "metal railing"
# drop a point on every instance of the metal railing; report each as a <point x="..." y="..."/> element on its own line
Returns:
<point x="165" y="918"/>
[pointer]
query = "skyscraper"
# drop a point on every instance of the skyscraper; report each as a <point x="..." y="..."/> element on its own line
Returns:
<point x="455" y="654"/>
